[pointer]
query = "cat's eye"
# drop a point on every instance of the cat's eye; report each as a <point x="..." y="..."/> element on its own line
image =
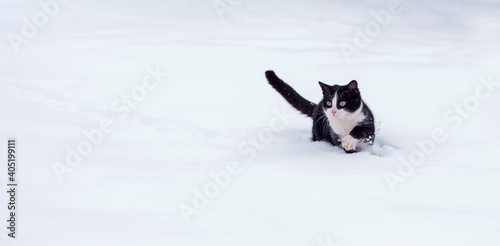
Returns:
<point x="342" y="104"/>
<point x="329" y="104"/>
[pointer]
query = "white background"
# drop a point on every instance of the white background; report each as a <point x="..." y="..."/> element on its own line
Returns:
<point x="128" y="190"/>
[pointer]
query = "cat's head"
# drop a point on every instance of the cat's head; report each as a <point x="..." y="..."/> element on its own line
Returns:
<point x="341" y="102"/>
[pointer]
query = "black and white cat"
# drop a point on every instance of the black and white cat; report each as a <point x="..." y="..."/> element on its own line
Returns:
<point x="341" y="118"/>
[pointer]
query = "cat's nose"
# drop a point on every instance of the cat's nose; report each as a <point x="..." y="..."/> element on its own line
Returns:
<point x="334" y="112"/>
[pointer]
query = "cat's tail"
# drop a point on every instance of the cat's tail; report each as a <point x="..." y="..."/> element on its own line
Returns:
<point x="291" y="96"/>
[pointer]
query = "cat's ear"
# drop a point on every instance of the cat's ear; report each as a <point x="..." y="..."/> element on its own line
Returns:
<point x="325" y="88"/>
<point x="353" y="85"/>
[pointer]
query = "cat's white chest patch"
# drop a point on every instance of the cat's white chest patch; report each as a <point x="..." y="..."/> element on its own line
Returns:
<point x="343" y="126"/>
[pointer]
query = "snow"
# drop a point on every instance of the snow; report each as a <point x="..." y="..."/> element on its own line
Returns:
<point x="214" y="114"/>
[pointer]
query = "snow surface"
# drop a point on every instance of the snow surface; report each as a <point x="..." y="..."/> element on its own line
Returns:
<point x="215" y="107"/>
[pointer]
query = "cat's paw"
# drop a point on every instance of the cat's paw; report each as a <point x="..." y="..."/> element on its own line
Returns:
<point x="349" y="143"/>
